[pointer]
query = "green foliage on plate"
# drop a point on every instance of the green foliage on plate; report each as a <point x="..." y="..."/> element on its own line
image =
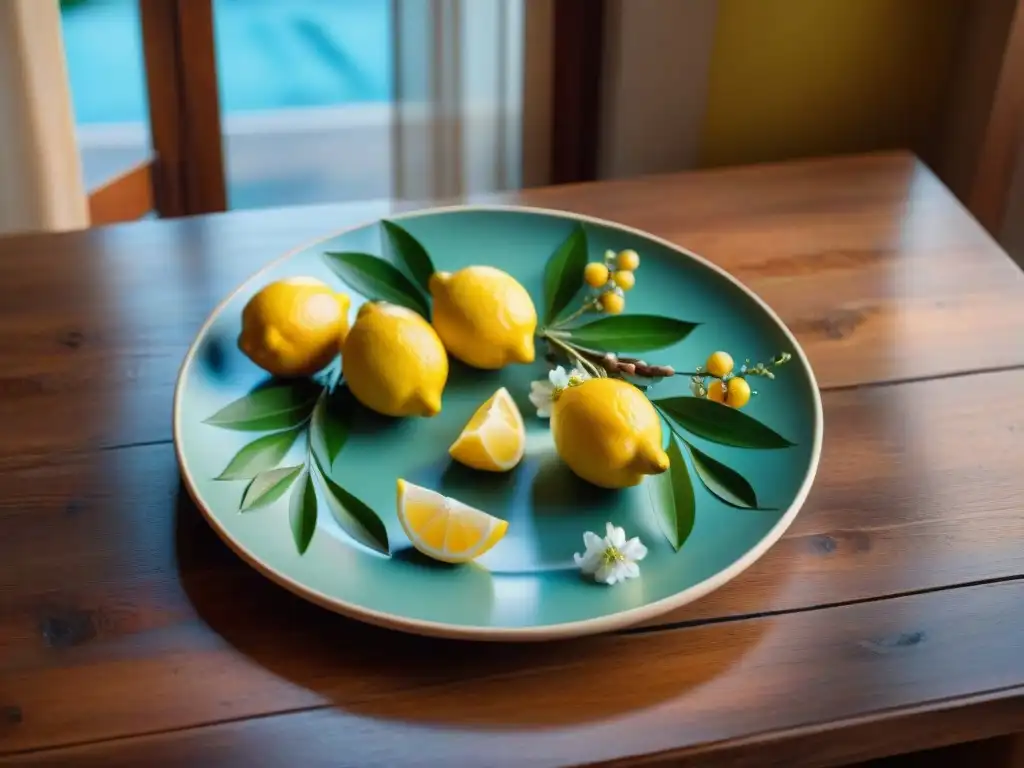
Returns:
<point x="723" y="481"/>
<point x="563" y="274"/>
<point x="332" y="420"/>
<point x="377" y="279"/>
<point x="356" y="518"/>
<point x="268" y="486"/>
<point x="302" y="512"/>
<point x="261" y="454"/>
<point x="325" y="422"/>
<point x="628" y="333"/>
<point x="402" y="280"/>
<point x="276" y="405"/>
<point x="406" y="251"/>
<point x="323" y="413"/>
<point x="595" y="348"/>
<point x="672" y="498"/>
<point x="719" y="423"/>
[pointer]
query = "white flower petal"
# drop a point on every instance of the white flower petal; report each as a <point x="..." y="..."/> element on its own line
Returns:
<point x="559" y="378"/>
<point x="616" y="536"/>
<point x="607" y="573"/>
<point x="611" y="570"/>
<point x="589" y="562"/>
<point x="634" y="549"/>
<point x="629" y="570"/>
<point x="540" y="396"/>
<point x="541" y="387"/>
<point x="593" y="542"/>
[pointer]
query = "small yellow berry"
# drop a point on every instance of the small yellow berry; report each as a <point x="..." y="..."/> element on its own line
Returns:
<point x="735" y="392"/>
<point x="628" y="260"/>
<point x="595" y="274"/>
<point x="739" y="392"/>
<point x="612" y="303"/>
<point x="625" y="280"/>
<point x="719" y="364"/>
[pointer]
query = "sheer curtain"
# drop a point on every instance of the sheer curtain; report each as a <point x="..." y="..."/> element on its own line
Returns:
<point x="471" y="109"/>
<point x="40" y="176"/>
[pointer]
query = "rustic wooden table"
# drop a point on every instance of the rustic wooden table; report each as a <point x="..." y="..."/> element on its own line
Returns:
<point x="889" y="618"/>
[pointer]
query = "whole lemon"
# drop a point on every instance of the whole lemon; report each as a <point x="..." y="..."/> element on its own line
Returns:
<point x="393" y="361"/>
<point x="608" y="433"/>
<point x="293" y="327"/>
<point x="484" y="316"/>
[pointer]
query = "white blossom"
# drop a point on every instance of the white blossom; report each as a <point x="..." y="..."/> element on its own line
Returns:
<point x="541" y="396"/>
<point x="611" y="559"/>
<point x="544" y="392"/>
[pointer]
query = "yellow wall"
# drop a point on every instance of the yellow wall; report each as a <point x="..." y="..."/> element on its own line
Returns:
<point x="796" y="78"/>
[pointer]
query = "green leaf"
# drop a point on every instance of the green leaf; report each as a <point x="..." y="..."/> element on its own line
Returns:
<point x="332" y="420"/>
<point x="261" y="454"/>
<point x="377" y="279"/>
<point x="356" y="518"/>
<point x="720" y="423"/>
<point x="278" y="405"/>
<point x="725" y="482"/>
<point x="302" y="512"/>
<point x="672" y="497"/>
<point x="563" y="275"/>
<point x="408" y="251"/>
<point x="630" y="333"/>
<point x="268" y="486"/>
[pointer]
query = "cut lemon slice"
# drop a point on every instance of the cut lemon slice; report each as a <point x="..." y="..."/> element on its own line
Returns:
<point x="444" y="528"/>
<point x="495" y="438"/>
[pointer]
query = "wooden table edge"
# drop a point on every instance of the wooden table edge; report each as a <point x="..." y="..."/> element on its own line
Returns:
<point x="883" y="733"/>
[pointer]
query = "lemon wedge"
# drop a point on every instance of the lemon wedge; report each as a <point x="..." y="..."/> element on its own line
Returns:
<point x="494" y="439"/>
<point x="444" y="528"/>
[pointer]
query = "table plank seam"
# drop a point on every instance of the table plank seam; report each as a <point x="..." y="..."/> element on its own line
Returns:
<point x="647" y="630"/>
<point x="710" y="621"/>
<point x="931" y="706"/>
<point x="29" y="455"/>
<point x="929" y="377"/>
<point x="867" y="718"/>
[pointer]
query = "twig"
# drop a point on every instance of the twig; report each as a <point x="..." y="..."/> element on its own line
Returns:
<point x="587" y="306"/>
<point x="573" y="352"/>
<point x="628" y="366"/>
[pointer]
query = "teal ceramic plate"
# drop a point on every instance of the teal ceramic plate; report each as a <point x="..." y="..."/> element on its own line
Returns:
<point x="527" y="587"/>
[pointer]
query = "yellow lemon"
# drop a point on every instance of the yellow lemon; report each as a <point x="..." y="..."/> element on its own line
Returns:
<point x="444" y="528"/>
<point x="495" y="438"/>
<point x="484" y="317"/>
<point x="608" y="433"/>
<point x="393" y="361"/>
<point x="293" y="327"/>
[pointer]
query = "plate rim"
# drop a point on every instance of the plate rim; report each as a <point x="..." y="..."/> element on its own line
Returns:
<point x="581" y="627"/>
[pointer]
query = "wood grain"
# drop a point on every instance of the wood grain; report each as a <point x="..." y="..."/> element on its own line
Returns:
<point x="872" y="263"/>
<point x="126" y="197"/>
<point x="184" y="111"/>
<point x="122" y="614"/>
<point x="685" y="693"/>
<point x="108" y="573"/>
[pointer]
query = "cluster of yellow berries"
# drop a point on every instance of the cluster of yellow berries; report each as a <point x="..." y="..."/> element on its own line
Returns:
<point x="612" y="277"/>
<point x="728" y="386"/>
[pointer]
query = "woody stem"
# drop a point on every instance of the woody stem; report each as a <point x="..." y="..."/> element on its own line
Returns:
<point x="574" y="353"/>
